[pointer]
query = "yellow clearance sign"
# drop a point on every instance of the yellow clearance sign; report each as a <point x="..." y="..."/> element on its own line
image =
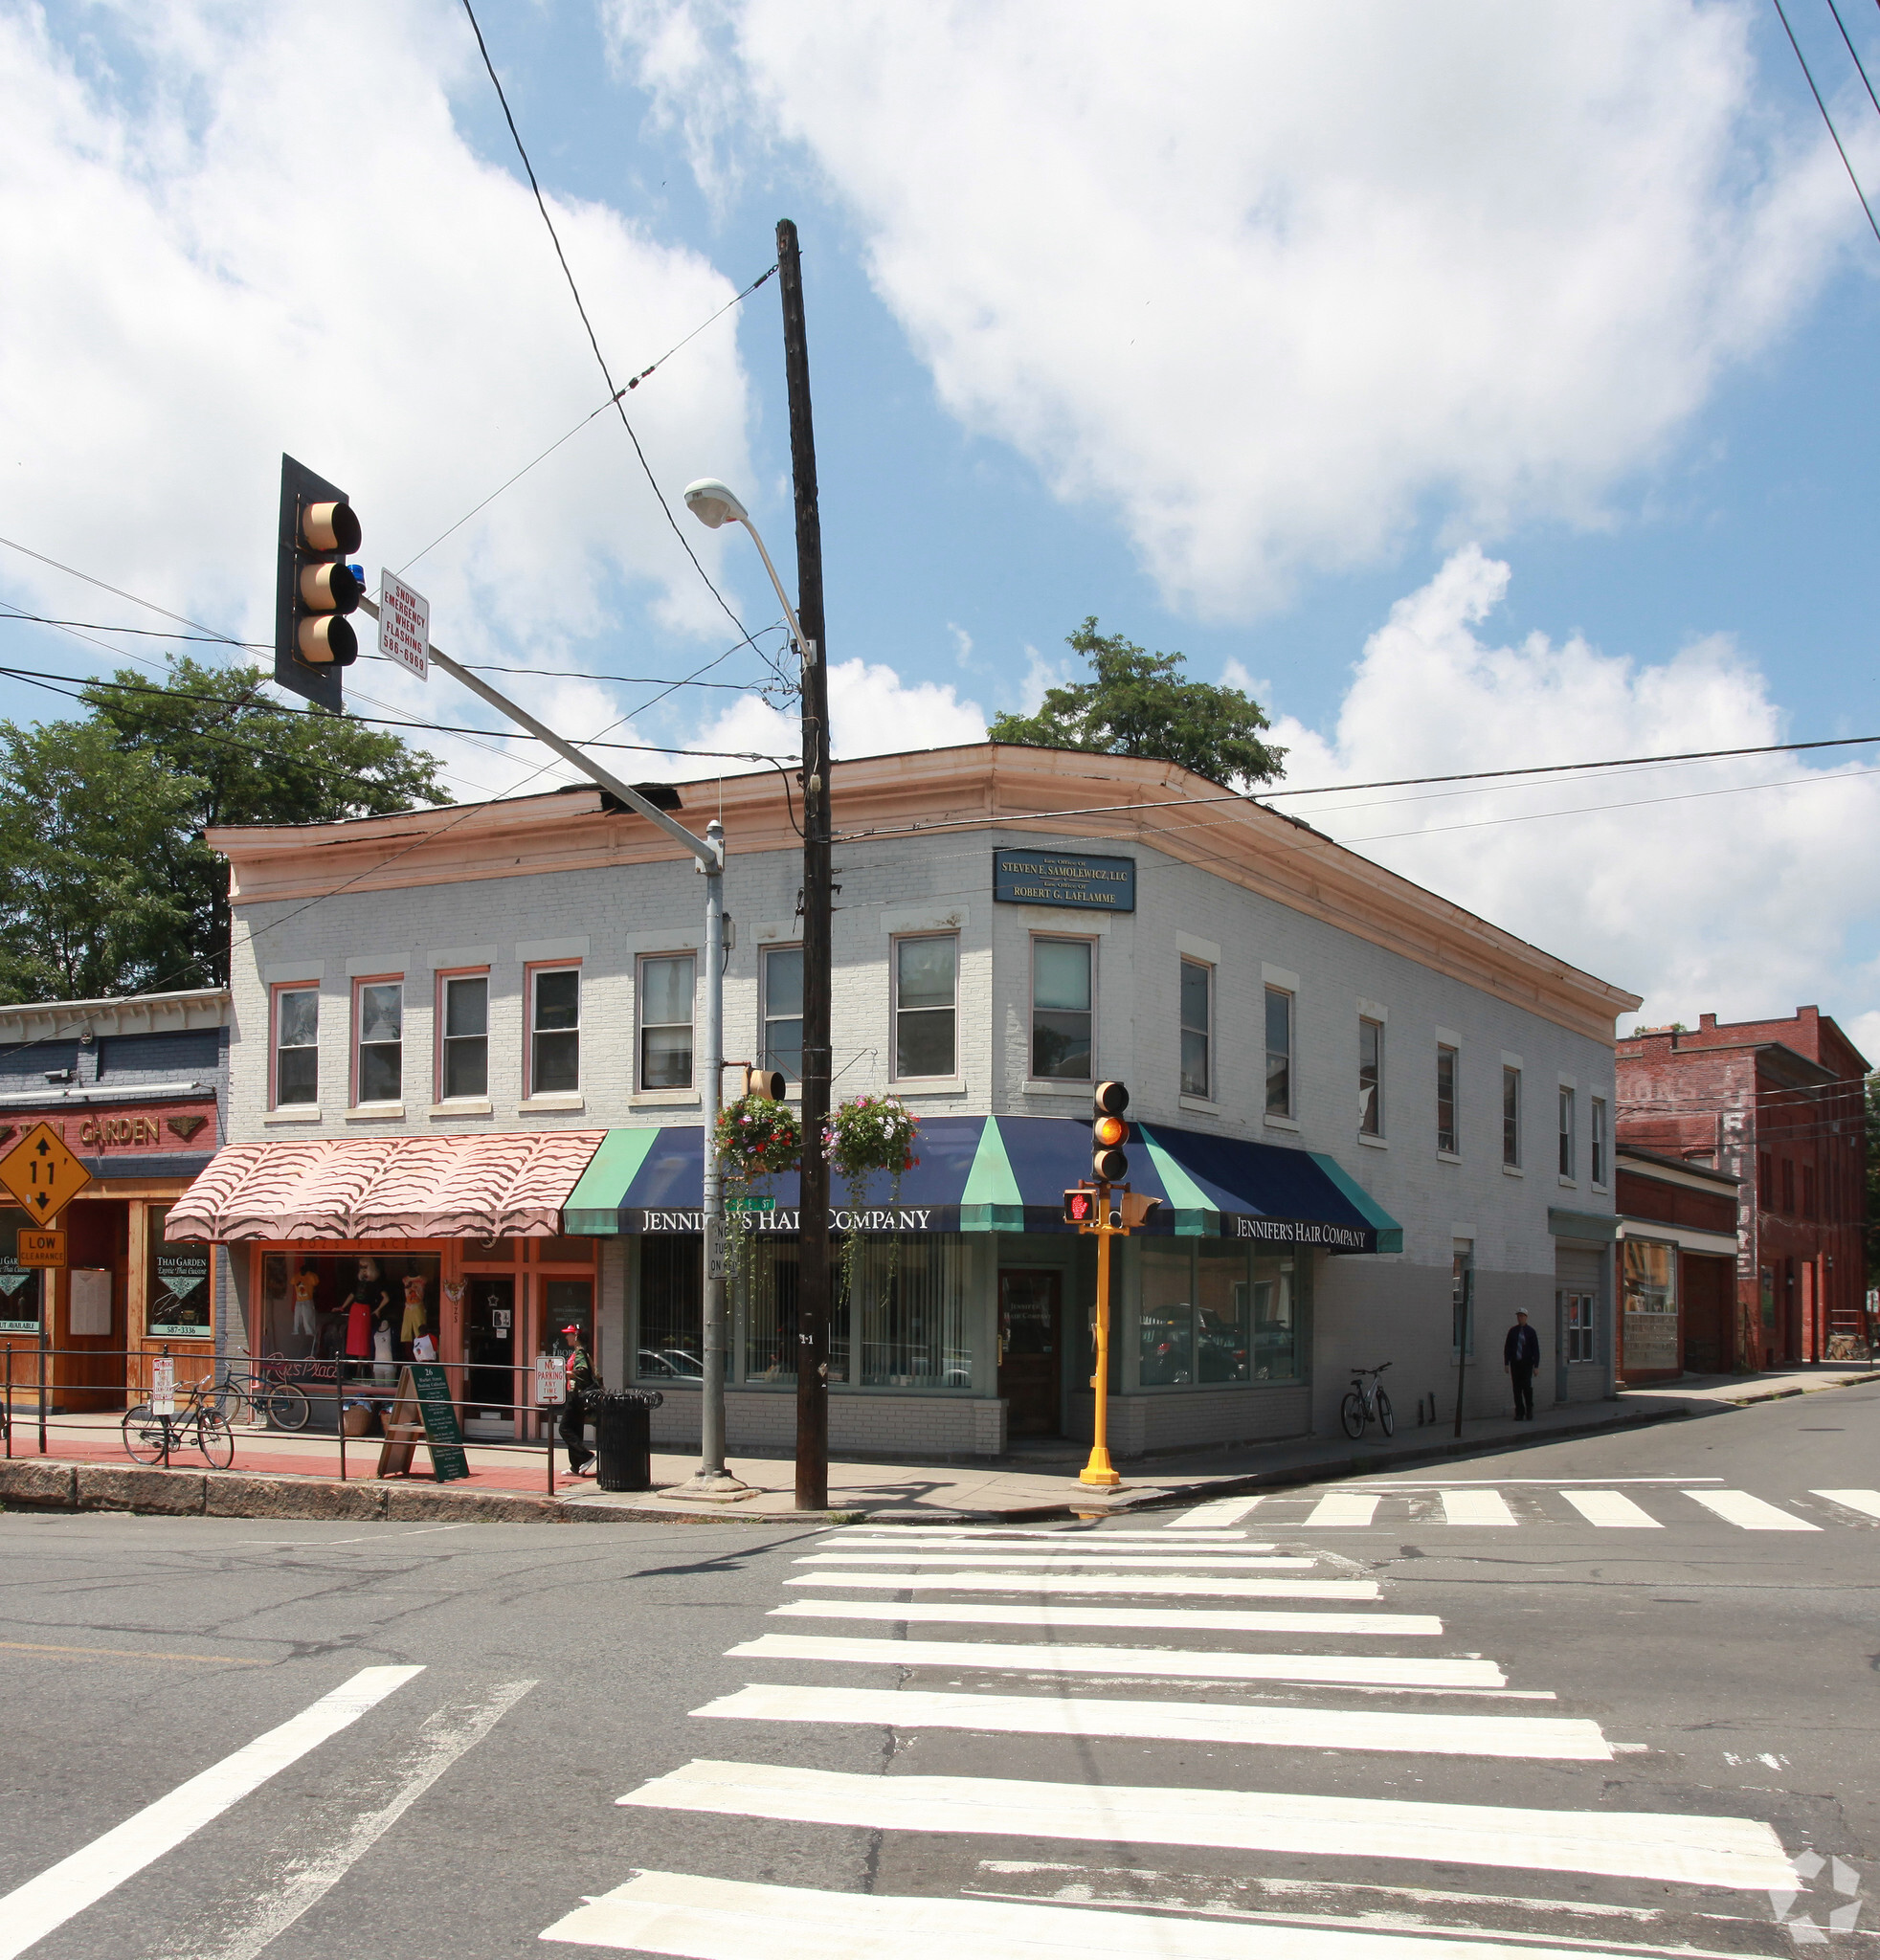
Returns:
<point x="42" y="1174"/>
<point x="40" y="1248"/>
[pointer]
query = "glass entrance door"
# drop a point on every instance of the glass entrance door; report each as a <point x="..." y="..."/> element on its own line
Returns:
<point x="489" y="1348"/>
<point x="1031" y="1350"/>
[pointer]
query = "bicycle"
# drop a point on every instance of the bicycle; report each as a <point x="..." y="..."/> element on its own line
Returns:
<point x="260" y="1395"/>
<point x="1361" y="1403"/>
<point x="151" y="1437"/>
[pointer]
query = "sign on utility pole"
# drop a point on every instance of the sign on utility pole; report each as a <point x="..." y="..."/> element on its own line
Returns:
<point x="404" y="625"/>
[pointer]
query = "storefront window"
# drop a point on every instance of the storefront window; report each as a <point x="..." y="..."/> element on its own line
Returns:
<point x="911" y="1315"/>
<point x="1213" y="1312"/>
<point x="19" y="1285"/>
<point x="769" y="1317"/>
<point x="1651" y="1305"/>
<point x="671" y="1310"/>
<point x="308" y="1295"/>
<point x="180" y="1304"/>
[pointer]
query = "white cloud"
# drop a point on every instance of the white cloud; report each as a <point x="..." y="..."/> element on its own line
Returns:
<point x="1737" y="904"/>
<point x="213" y="255"/>
<point x="1272" y="283"/>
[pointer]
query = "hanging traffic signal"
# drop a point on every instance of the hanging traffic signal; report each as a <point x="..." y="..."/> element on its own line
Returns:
<point x="767" y="1083"/>
<point x="1109" y="1134"/>
<point x="315" y="585"/>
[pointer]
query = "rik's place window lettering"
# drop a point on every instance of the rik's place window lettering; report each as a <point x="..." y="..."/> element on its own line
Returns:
<point x="555" y="1032"/>
<point x="1196" y="1027"/>
<point x="296" y="1045"/>
<point x="1370" y="1077"/>
<point x="783" y="1011"/>
<point x="467" y="1036"/>
<point x="180" y="1305"/>
<point x="926" y="995"/>
<point x="381" y="1022"/>
<point x="665" y="1022"/>
<point x="1061" y="1010"/>
<point x="19" y="1285"/>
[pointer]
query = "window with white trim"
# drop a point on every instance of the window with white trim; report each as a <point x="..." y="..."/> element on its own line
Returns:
<point x="1579" y="1326"/>
<point x="1279" y="1052"/>
<point x="1511" y="1116"/>
<point x="1196" y="1027"/>
<point x="1063" y="1010"/>
<point x="463" y="1000"/>
<point x="1597" y="1142"/>
<point x="378" y="1015"/>
<point x="296" y="1046"/>
<point x="666" y="983"/>
<point x="1449" y="1134"/>
<point x="926" y="1006"/>
<point x="783" y="1011"/>
<point x="554" y="1031"/>
<point x="1370" y="1077"/>
<point x="1567" y="1151"/>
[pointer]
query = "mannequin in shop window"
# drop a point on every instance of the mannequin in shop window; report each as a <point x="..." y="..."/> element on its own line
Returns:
<point x="413" y="1323"/>
<point x="368" y="1301"/>
<point x="385" y="1368"/>
<point x="306" y="1284"/>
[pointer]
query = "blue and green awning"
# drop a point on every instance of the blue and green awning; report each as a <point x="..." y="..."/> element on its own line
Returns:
<point x="1008" y="1173"/>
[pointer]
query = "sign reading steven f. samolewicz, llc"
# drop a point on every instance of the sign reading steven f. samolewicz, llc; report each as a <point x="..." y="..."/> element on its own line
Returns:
<point x="1062" y="877"/>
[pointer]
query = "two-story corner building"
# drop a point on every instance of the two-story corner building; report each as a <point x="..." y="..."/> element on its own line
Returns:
<point x="465" y="1050"/>
<point x="1779" y="1104"/>
<point x="134" y="1088"/>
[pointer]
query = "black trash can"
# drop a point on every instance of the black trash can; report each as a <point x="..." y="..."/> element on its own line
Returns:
<point x="623" y="1442"/>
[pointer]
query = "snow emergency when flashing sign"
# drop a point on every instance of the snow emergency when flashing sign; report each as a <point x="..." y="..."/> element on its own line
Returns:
<point x="404" y="625"/>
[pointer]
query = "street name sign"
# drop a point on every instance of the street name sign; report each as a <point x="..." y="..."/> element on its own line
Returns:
<point x="404" y="625"/>
<point x="43" y="1174"/>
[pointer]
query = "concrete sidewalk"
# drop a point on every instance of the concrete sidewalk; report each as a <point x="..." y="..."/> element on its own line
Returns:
<point x="298" y="1475"/>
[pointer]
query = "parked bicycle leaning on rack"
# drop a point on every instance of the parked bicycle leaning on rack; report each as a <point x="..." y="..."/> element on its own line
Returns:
<point x="1364" y="1400"/>
<point x="151" y="1437"/>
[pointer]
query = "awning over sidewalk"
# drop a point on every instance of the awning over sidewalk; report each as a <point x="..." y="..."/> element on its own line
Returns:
<point x="1009" y="1173"/>
<point x="443" y="1187"/>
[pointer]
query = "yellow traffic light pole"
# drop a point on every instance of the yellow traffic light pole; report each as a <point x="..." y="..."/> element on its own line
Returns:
<point x="1114" y="1218"/>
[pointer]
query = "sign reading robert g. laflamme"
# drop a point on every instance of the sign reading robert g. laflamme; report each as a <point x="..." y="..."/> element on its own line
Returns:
<point x="1062" y="877"/>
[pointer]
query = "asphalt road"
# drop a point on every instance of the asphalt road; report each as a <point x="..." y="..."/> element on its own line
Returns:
<point x="1466" y="1717"/>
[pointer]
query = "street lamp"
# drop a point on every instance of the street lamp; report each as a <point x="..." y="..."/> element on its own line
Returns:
<point x="712" y="504"/>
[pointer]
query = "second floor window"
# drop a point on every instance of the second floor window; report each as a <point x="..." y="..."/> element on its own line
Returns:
<point x="381" y="1023"/>
<point x="296" y="1045"/>
<point x="1369" y="1077"/>
<point x="1597" y="1140"/>
<point x="1279" y="1052"/>
<point x="925" y="1007"/>
<point x="467" y="1036"/>
<point x="1566" y="1133"/>
<point x="665" y="1022"/>
<point x="1060" y="1010"/>
<point x="1448" y="1138"/>
<point x="1510" y="1117"/>
<point x="783" y="1011"/>
<point x="554" y="1031"/>
<point x="1196" y="1021"/>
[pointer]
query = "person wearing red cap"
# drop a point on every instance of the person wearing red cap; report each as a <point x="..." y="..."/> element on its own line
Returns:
<point x="581" y="1380"/>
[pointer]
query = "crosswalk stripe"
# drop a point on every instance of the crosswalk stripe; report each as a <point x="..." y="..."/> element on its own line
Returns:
<point x="1475" y="1507"/>
<point x="1611" y="1509"/>
<point x="1167" y="1620"/>
<point x="1344" y="1507"/>
<point x="32" y="1910"/>
<point x="1160" y="1663"/>
<point x="1751" y="1513"/>
<point x="1136" y="1585"/>
<point x="1219" y="1510"/>
<point x="1030" y="1541"/>
<point x="1735" y="1854"/>
<point x="1866" y="1502"/>
<point x="1200" y="1560"/>
<point x="696" y="1918"/>
<point x="1543" y="1738"/>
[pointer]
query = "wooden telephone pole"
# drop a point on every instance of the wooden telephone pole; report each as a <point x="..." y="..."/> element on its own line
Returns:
<point x="813" y="1301"/>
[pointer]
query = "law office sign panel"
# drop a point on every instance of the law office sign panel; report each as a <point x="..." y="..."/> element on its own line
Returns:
<point x="404" y="625"/>
<point x="1062" y="878"/>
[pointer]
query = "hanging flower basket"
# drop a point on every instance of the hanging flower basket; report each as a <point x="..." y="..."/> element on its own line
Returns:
<point x="755" y="1140"/>
<point x="867" y="1137"/>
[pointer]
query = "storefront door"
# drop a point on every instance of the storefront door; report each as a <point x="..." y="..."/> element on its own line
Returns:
<point x="490" y="1348"/>
<point x="1030" y="1350"/>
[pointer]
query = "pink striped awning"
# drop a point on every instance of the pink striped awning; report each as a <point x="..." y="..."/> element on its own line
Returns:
<point x="433" y="1187"/>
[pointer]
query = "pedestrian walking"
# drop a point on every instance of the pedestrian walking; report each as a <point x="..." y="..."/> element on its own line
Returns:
<point x="581" y="1380"/>
<point x="1520" y="1356"/>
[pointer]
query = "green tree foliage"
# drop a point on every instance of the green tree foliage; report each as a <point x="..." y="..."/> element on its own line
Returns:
<point x="1138" y="703"/>
<point x="106" y="886"/>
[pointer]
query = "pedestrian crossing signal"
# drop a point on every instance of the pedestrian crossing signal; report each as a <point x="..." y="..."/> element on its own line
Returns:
<point x="1080" y="1207"/>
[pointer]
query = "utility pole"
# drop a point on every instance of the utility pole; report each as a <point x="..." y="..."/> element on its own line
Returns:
<point x="813" y="1301"/>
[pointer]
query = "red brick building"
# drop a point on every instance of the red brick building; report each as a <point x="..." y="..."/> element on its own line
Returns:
<point x="1778" y="1106"/>
<point x="1677" y="1268"/>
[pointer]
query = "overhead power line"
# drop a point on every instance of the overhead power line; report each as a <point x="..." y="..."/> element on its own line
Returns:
<point x="1847" y="163"/>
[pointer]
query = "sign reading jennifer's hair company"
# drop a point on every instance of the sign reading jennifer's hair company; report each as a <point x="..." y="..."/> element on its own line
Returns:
<point x="1058" y="877"/>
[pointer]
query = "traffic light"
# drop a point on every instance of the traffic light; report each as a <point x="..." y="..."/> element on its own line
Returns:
<point x="315" y="585"/>
<point x="1109" y="1134"/>
<point x="1080" y="1206"/>
<point x="764" y="1081"/>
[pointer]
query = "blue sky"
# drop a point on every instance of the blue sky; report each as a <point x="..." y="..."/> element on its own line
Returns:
<point x="1487" y="385"/>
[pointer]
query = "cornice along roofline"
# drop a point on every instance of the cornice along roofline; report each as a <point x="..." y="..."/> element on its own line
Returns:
<point x="1241" y="842"/>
